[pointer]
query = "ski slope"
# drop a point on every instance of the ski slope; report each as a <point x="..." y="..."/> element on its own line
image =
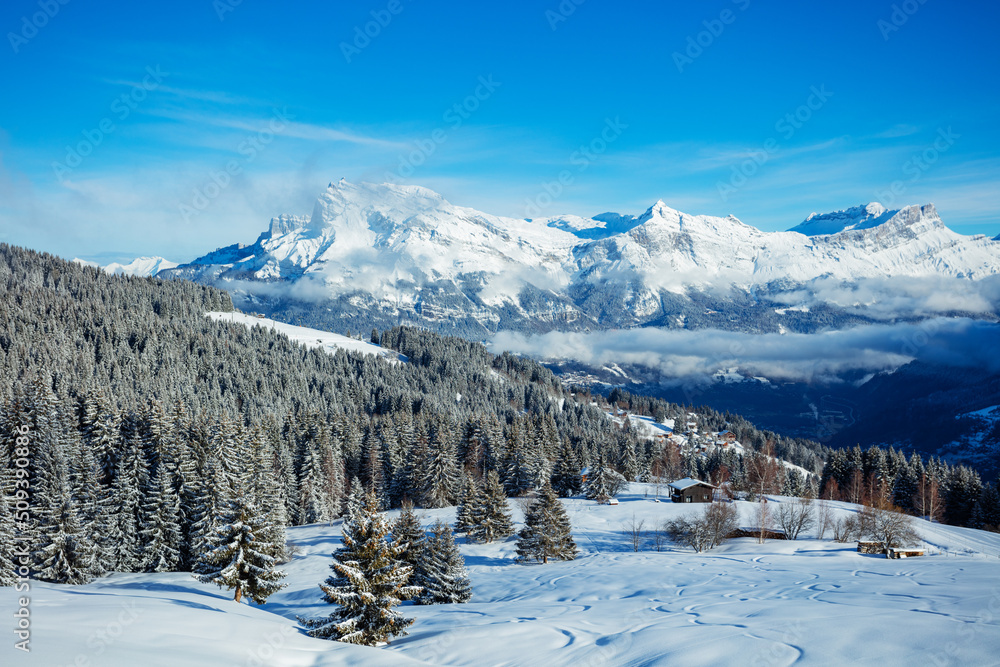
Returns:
<point x="807" y="602"/>
<point x="311" y="338"/>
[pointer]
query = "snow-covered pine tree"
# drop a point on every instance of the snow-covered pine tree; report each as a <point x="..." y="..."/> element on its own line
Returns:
<point x="229" y="450"/>
<point x="547" y="532"/>
<point x="101" y="431"/>
<point x="68" y="555"/>
<point x="440" y="476"/>
<point x="566" y="478"/>
<point x="493" y="520"/>
<point x="604" y="482"/>
<point x="242" y="554"/>
<point x="408" y="534"/>
<point x="160" y="526"/>
<point x="369" y="581"/>
<point x="441" y="570"/>
<point x="125" y="505"/>
<point x="986" y="514"/>
<point x="469" y="505"/>
<point x="90" y="500"/>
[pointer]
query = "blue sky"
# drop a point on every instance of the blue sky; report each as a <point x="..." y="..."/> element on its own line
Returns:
<point x="233" y="113"/>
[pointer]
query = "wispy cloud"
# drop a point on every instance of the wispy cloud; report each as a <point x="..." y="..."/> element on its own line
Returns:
<point x="821" y="357"/>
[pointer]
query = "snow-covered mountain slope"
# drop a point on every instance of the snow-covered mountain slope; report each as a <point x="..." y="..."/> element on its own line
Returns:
<point x="140" y="266"/>
<point x="404" y="253"/>
<point x="310" y="338"/>
<point x="858" y="217"/>
<point x="807" y="602"/>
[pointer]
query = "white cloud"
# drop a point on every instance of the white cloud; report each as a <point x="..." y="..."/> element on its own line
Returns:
<point x="820" y="357"/>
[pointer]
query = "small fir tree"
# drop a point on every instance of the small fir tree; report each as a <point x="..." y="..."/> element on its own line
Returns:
<point x="547" y="531"/>
<point x="242" y="554"/>
<point x="369" y="581"/>
<point x="470" y="507"/>
<point x="441" y="571"/>
<point x="604" y="482"/>
<point x="408" y="534"/>
<point x="493" y="520"/>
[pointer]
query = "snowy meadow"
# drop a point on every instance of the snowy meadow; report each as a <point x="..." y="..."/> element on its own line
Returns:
<point x="805" y="602"/>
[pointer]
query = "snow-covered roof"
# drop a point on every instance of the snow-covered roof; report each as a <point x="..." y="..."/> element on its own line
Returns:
<point x="687" y="482"/>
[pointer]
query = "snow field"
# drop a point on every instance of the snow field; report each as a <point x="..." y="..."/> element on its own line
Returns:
<point x="807" y="602"/>
<point x="311" y="338"/>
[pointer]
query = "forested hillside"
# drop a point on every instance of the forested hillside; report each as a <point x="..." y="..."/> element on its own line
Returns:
<point x="129" y="421"/>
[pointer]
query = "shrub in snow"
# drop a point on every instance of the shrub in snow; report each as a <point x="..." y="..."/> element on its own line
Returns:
<point x="707" y="531"/>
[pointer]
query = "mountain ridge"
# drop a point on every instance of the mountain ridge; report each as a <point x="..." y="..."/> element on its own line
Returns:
<point x="405" y="254"/>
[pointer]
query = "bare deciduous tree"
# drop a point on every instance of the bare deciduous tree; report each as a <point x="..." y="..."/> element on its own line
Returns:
<point x="794" y="517"/>
<point x="928" y="499"/>
<point x="824" y="519"/>
<point x="635" y="532"/>
<point x="764" y="519"/>
<point x="763" y="471"/>
<point x="888" y="526"/>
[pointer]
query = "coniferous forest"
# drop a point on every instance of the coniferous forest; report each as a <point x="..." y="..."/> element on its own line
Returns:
<point x="139" y="435"/>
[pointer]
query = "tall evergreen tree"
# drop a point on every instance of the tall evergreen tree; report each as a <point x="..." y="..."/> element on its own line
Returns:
<point x="492" y="521"/>
<point x="126" y="506"/>
<point x="547" y="532"/>
<point x="469" y="505"/>
<point x="441" y="571"/>
<point x="242" y="554"/>
<point x="604" y="482"/>
<point x="440" y="476"/>
<point x="160" y="526"/>
<point x="408" y="534"/>
<point x="566" y="475"/>
<point x="369" y="581"/>
<point x="986" y="514"/>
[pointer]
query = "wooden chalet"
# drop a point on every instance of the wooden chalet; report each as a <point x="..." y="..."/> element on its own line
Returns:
<point x="690" y="490"/>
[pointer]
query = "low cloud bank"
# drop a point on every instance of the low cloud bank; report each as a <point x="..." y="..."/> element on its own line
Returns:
<point x="899" y="296"/>
<point x="819" y="357"/>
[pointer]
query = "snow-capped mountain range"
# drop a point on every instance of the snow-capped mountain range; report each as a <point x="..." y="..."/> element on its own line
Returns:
<point x="140" y="266"/>
<point x="380" y="254"/>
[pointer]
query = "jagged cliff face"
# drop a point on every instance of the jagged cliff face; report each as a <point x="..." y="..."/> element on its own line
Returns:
<point x="386" y="253"/>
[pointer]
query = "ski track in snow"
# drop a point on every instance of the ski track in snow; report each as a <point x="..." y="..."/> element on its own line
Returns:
<point x="781" y="603"/>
